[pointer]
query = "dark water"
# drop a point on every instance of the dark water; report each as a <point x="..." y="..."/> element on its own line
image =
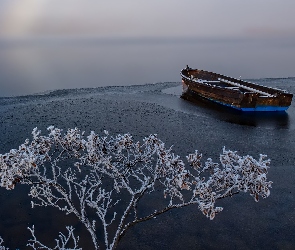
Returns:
<point x="157" y="108"/>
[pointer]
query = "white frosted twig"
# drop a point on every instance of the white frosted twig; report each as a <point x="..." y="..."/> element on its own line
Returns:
<point x="63" y="243"/>
<point x="1" y="246"/>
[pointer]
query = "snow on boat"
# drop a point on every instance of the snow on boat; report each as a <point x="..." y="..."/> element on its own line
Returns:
<point x="232" y="92"/>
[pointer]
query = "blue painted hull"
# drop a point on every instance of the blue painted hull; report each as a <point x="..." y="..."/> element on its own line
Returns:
<point x="265" y="108"/>
<point x="254" y="109"/>
<point x="258" y="108"/>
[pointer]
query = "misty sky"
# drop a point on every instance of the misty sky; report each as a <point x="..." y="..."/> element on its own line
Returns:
<point x="153" y="18"/>
<point x="250" y="38"/>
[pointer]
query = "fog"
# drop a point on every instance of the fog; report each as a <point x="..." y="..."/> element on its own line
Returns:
<point x="49" y="44"/>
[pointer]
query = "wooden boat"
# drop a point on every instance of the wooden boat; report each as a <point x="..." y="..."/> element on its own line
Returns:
<point x="231" y="92"/>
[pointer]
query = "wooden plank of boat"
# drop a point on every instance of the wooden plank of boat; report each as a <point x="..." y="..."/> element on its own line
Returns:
<point x="232" y="92"/>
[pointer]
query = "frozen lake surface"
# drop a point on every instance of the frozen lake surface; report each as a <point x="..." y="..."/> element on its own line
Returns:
<point x="157" y="108"/>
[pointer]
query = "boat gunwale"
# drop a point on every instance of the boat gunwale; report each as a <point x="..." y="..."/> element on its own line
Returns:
<point x="234" y="80"/>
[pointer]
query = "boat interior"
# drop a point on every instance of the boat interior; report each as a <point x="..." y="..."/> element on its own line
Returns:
<point x="228" y="82"/>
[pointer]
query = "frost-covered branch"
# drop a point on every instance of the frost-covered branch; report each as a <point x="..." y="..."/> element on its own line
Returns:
<point x="61" y="244"/>
<point x="109" y="176"/>
<point x="1" y="246"/>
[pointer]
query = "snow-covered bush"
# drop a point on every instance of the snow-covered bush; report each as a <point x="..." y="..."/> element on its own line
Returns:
<point x="109" y="172"/>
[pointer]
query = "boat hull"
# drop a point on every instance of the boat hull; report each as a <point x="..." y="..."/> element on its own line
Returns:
<point x="234" y="93"/>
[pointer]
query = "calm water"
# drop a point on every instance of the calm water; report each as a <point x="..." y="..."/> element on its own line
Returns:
<point x="157" y="108"/>
<point x="32" y="66"/>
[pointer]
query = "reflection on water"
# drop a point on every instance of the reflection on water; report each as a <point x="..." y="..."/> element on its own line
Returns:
<point x="274" y="119"/>
<point x="265" y="119"/>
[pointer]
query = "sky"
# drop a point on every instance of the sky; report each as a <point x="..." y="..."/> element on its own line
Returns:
<point x="146" y="41"/>
<point x="153" y="18"/>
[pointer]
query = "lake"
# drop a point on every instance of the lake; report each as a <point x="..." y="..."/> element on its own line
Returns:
<point x="157" y="108"/>
<point x="29" y="66"/>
